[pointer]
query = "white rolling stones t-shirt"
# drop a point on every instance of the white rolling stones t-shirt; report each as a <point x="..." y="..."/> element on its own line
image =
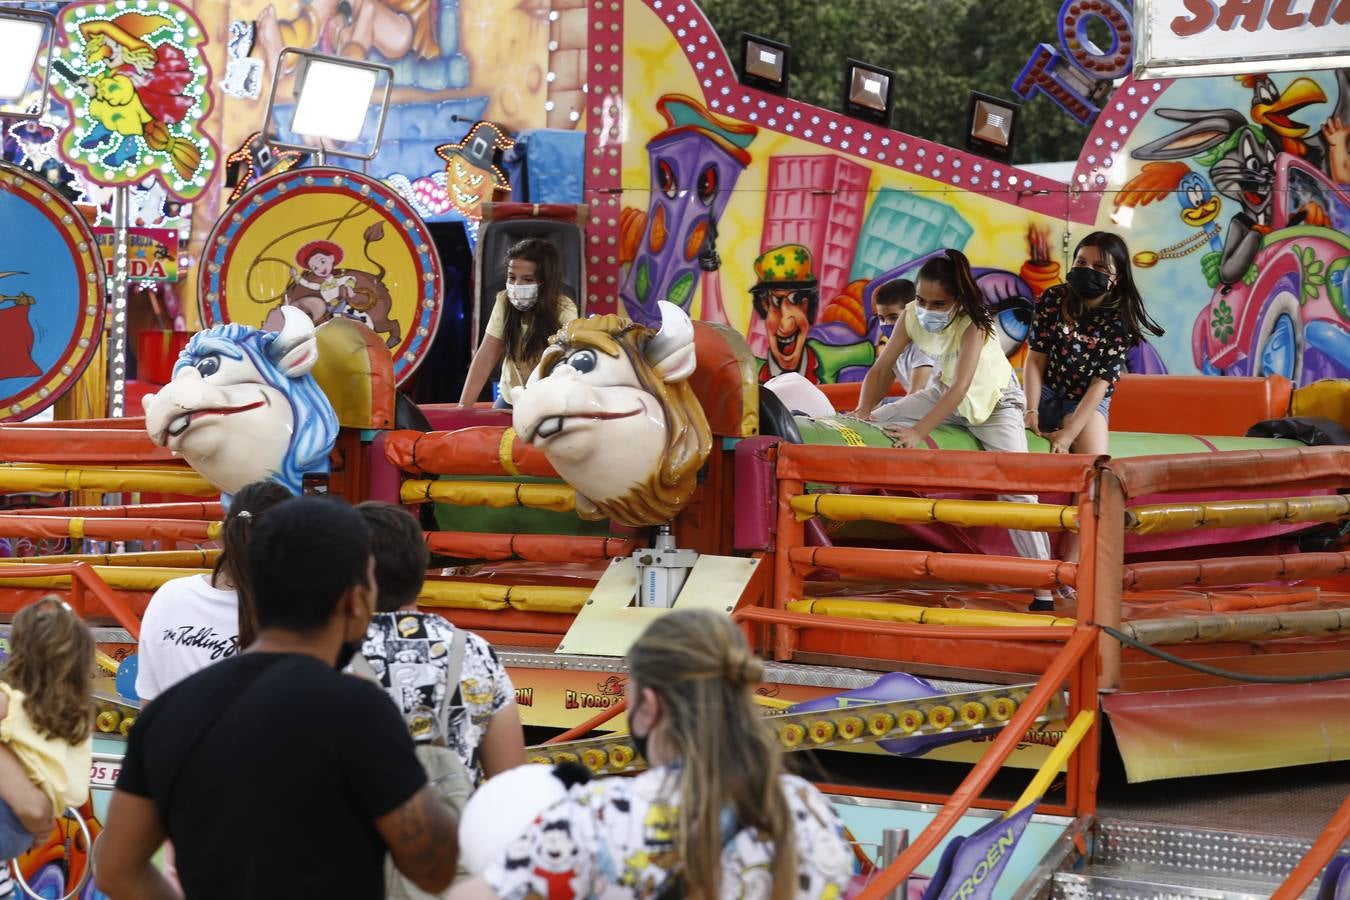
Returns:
<point x="187" y="626"/>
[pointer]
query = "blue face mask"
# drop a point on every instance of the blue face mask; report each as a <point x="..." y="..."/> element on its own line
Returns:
<point x="887" y="329"/>
<point x="931" y="320"/>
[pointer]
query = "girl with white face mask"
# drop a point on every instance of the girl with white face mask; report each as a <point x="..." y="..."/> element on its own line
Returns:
<point x="975" y="386"/>
<point x="526" y="315"/>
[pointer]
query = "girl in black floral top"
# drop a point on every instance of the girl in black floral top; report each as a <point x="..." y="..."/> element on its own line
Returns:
<point x="1080" y="334"/>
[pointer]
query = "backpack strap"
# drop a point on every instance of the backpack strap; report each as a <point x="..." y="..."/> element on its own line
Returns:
<point x="452" y="673"/>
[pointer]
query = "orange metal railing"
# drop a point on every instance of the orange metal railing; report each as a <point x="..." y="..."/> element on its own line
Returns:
<point x="84" y="581"/>
<point x="1070" y="664"/>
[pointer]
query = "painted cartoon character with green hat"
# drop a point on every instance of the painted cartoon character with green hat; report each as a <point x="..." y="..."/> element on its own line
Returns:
<point x="786" y="296"/>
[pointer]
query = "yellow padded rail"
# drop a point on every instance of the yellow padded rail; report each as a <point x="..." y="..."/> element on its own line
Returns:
<point x="877" y="611"/>
<point x="921" y="511"/>
<point x="106" y="481"/>
<point x="496" y="494"/>
<point x="1235" y="513"/>
<point x="121" y="578"/>
<point x="482" y="595"/>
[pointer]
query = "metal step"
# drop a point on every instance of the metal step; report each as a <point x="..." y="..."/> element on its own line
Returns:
<point x="1138" y="882"/>
<point x="1136" y="860"/>
<point x="1227" y="854"/>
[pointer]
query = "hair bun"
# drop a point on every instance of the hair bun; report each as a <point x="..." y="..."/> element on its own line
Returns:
<point x="743" y="669"/>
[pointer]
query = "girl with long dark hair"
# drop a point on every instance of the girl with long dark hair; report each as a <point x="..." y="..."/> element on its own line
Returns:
<point x="530" y="310"/>
<point x="1080" y="333"/>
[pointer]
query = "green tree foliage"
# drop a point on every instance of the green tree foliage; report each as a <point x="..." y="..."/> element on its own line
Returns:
<point x="941" y="50"/>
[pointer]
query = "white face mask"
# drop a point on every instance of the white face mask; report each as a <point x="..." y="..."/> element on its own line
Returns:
<point x="932" y="320"/>
<point x="522" y="296"/>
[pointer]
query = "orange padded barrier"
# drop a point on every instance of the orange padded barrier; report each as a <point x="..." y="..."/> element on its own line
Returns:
<point x="1197" y="404"/>
<point x="1152" y="576"/>
<point x="533" y="547"/>
<point x="478" y="450"/>
<point x="81" y="446"/>
<point x="78" y="528"/>
<point x="1292" y="468"/>
<point x="210" y="510"/>
<point x="935" y="470"/>
<point x="922" y="564"/>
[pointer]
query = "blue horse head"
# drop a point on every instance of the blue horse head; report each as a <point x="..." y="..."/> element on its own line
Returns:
<point x="243" y="406"/>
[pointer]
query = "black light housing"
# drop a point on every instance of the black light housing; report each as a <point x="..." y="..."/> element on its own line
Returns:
<point x="869" y="92"/>
<point x="764" y="63"/>
<point x="992" y="124"/>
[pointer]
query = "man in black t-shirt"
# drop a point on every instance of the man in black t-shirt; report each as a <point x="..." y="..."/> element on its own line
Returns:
<point x="273" y="774"/>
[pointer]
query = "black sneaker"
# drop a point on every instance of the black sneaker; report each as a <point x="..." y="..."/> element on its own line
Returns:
<point x="1042" y="604"/>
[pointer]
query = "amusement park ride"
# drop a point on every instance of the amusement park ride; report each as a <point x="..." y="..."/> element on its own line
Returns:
<point x="644" y="465"/>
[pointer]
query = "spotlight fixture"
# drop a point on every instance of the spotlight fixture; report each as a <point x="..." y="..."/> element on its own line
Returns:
<point x="764" y="64"/>
<point x="869" y="92"/>
<point x="26" y="35"/>
<point x="338" y="107"/>
<point x="992" y="123"/>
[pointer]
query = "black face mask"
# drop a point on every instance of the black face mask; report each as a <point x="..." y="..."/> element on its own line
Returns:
<point x="346" y="652"/>
<point x="1088" y="283"/>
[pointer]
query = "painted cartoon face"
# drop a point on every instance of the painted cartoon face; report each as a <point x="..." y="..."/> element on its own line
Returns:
<point x="1247" y="173"/>
<point x="1273" y="108"/>
<point x="787" y="323"/>
<point x="321" y="264"/>
<point x="241" y="408"/>
<point x="467" y="185"/>
<point x="557" y="850"/>
<point x="1199" y="205"/>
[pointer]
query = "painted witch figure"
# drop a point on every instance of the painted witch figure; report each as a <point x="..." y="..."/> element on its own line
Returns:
<point x="135" y="89"/>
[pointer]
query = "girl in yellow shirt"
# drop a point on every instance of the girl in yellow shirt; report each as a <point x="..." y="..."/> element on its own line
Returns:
<point x="975" y="386"/>
<point x="46" y="697"/>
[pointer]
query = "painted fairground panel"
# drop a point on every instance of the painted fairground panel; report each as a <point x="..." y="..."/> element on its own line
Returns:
<point x="327" y="242"/>
<point x="136" y="81"/>
<point x="781" y="219"/>
<point x="1231" y="194"/>
<point x="51" y="295"/>
<point x="457" y="63"/>
<point x="198" y="89"/>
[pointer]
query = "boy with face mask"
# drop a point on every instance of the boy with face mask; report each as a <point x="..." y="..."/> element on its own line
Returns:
<point x="914" y="368"/>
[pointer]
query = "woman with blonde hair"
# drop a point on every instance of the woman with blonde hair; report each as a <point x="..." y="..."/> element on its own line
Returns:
<point x="715" y="815"/>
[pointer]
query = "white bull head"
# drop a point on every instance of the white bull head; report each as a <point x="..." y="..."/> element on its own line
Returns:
<point x="611" y="407"/>
<point x="243" y="407"/>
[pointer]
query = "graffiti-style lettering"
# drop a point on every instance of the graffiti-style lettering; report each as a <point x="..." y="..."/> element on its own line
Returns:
<point x="584" y="700"/>
<point x="1202" y="16"/>
<point x="1044" y="72"/>
<point x="1321" y="13"/>
<point x="1251" y="13"/>
<point x="1282" y="18"/>
<point x="1073" y="37"/>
